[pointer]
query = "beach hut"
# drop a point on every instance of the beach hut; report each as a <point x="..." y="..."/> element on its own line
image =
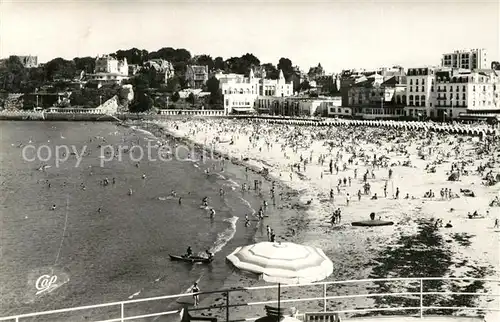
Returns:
<point x="282" y="263"/>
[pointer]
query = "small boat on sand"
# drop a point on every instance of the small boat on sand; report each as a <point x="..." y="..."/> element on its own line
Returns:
<point x="191" y="259"/>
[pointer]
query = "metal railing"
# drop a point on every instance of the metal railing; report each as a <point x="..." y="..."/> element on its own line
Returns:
<point x="226" y="293"/>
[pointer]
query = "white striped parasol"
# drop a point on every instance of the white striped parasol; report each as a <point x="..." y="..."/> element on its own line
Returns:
<point x="285" y="263"/>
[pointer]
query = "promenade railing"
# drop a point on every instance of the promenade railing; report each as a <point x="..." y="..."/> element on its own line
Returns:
<point x="121" y="307"/>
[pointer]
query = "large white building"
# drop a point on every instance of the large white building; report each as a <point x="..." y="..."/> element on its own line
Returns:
<point x="109" y="70"/>
<point x="419" y="92"/>
<point x="447" y="93"/>
<point x="464" y="91"/>
<point x="467" y="59"/>
<point x="240" y="92"/>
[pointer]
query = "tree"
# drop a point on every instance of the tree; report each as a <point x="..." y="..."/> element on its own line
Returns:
<point x="13" y="75"/>
<point x="304" y="86"/>
<point x="60" y="68"/>
<point x="242" y="65"/>
<point x="133" y="55"/>
<point x="212" y="85"/>
<point x="219" y="63"/>
<point x="141" y="103"/>
<point x="175" y="97"/>
<point x="216" y="98"/>
<point x="173" y="84"/>
<point x="171" y="54"/>
<point x="286" y="67"/>
<point x="87" y="64"/>
<point x="271" y="71"/>
<point x="204" y="60"/>
<point x="191" y="98"/>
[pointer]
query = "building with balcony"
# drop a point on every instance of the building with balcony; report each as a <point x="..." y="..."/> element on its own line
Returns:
<point x="420" y="85"/>
<point x="240" y="92"/>
<point x="461" y="92"/>
<point x="466" y="59"/>
<point x="196" y="76"/>
<point x="374" y="98"/>
<point x="295" y="106"/>
<point x="108" y="70"/>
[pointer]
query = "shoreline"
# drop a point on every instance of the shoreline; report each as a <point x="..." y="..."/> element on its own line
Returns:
<point x="287" y="206"/>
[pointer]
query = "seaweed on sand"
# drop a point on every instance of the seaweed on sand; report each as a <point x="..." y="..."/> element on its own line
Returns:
<point x="424" y="254"/>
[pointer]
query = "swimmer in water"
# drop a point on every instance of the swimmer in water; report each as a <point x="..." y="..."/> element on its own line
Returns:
<point x="53" y="207"/>
<point x="247" y="221"/>
<point x="129" y="192"/>
<point x="212" y="213"/>
<point x="99" y="210"/>
<point x="144" y="176"/>
<point x="180" y="200"/>
<point x="173" y="193"/>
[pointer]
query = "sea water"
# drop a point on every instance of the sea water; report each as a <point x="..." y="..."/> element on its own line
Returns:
<point x="120" y="252"/>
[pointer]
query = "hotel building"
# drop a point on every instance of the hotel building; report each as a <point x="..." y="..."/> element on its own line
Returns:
<point x="108" y="70"/>
<point x="420" y="92"/>
<point x="466" y="59"/>
<point x="240" y="92"/>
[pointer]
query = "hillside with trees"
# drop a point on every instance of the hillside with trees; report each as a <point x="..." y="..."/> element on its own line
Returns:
<point x="58" y="74"/>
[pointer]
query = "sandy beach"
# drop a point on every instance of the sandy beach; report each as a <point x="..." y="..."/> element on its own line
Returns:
<point x="327" y="167"/>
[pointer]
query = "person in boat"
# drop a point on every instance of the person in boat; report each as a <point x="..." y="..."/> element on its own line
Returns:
<point x="204" y="201"/>
<point x="210" y="255"/>
<point x="189" y="252"/>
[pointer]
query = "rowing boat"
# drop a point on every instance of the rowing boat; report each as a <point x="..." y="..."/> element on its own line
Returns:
<point x="191" y="259"/>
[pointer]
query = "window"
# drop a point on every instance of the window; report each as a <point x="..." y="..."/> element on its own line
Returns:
<point x="411" y="89"/>
<point x="463" y="88"/>
<point x="474" y="88"/>
<point x="423" y="89"/>
<point x="416" y="81"/>
<point x="411" y="81"/>
<point x="422" y="98"/>
<point x="451" y="88"/>
<point x="423" y="81"/>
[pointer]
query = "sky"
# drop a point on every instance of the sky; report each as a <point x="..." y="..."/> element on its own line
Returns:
<point x="337" y="34"/>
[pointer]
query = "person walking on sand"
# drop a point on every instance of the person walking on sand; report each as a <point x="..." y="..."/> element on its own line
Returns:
<point x="347" y="198"/>
<point x="496" y="224"/>
<point x="196" y="297"/>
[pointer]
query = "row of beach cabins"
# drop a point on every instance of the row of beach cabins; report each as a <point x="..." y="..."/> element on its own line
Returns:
<point x="463" y="129"/>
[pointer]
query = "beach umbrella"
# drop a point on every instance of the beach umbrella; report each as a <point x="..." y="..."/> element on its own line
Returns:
<point x="282" y="263"/>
